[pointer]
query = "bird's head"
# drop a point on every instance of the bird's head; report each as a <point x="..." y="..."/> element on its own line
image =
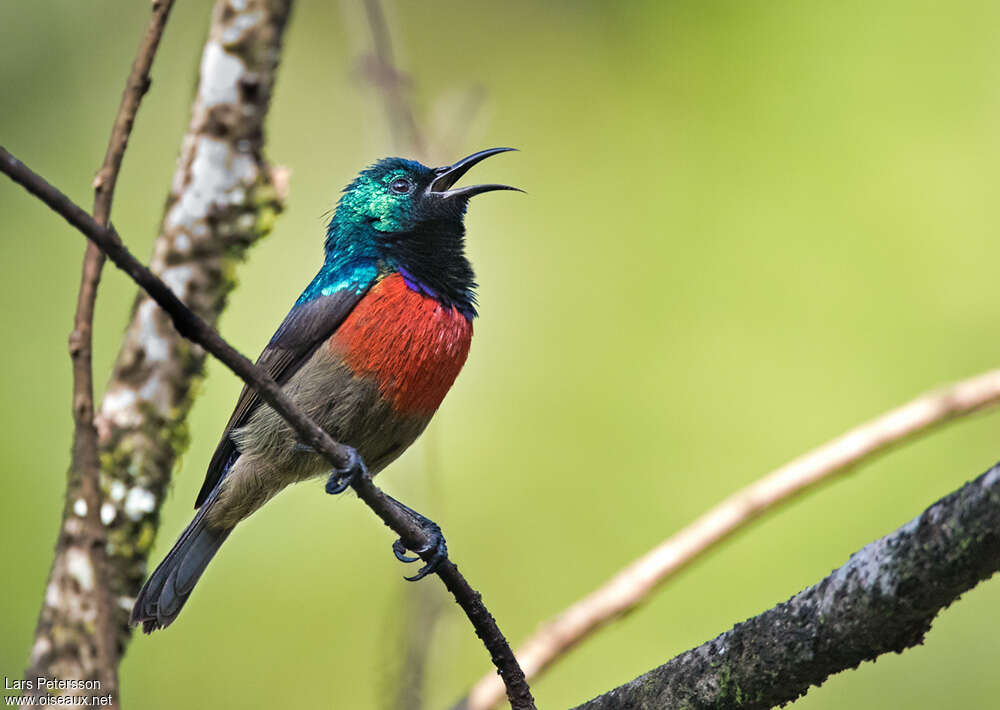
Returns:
<point x="410" y="217"/>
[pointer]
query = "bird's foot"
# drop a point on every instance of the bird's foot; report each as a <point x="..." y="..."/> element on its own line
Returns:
<point x="435" y="545"/>
<point x="342" y="478"/>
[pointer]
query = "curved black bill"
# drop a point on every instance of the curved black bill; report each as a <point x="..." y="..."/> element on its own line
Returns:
<point x="450" y="174"/>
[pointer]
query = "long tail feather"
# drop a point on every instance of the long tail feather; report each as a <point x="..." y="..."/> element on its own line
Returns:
<point x="163" y="595"/>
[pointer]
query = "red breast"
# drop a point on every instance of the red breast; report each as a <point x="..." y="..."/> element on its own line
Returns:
<point x="412" y="346"/>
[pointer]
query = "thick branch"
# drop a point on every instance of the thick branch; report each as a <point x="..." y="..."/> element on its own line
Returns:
<point x="87" y="646"/>
<point x="637" y="581"/>
<point x="195" y="329"/>
<point x="223" y="198"/>
<point x="884" y="599"/>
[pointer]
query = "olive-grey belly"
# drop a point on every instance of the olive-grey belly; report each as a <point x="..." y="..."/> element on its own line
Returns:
<point x="348" y="407"/>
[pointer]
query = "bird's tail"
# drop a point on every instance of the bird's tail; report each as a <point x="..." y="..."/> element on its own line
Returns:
<point x="163" y="595"/>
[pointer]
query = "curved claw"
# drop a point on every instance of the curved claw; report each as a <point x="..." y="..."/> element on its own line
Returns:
<point x="435" y="551"/>
<point x="428" y="568"/>
<point x="341" y="479"/>
<point x="399" y="550"/>
<point x="437" y="544"/>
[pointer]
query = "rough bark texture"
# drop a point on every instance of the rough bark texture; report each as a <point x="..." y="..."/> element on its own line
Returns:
<point x="84" y="542"/>
<point x="223" y="198"/>
<point x="639" y="580"/>
<point x="884" y="599"/>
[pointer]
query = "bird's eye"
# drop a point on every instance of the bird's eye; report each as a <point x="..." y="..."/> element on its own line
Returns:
<point x="401" y="186"/>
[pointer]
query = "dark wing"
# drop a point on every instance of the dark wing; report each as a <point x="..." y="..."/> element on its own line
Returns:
<point x="305" y="328"/>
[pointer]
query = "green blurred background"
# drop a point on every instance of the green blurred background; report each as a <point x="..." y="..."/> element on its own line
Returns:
<point x="750" y="225"/>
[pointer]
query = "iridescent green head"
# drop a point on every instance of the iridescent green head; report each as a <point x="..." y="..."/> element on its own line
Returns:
<point x="409" y="217"/>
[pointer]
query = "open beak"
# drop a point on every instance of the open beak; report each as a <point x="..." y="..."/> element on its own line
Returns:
<point x="450" y="174"/>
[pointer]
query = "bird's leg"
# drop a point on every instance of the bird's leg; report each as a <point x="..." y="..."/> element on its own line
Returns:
<point x="341" y="478"/>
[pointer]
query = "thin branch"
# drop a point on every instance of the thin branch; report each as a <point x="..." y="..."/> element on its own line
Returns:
<point x="100" y="635"/>
<point x="423" y="607"/>
<point x="195" y="329"/>
<point x="883" y="599"/>
<point x="407" y="671"/>
<point x="224" y="198"/>
<point x="633" y="584"/>
<point x="393" y="83"/>
<point x="396" y="89"/>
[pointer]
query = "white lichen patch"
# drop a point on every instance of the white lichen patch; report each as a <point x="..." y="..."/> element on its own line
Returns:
<point x="234" y="33"/>
<point x="218" y="176"/>
<point x="871" y="569"/>
<point x="79" y="568"/>
<point x="73" y="526"/>
<point x="155" y="392"/>
<point x="139" y="502"/>
<point x="178" y="278"/>
<point x="40" y="648"/>
<point x="220" y="72"/>
<point x="155" y="346"/>
<point x="182" y="244"/>
<point x="108" y="513"/>
<point x="246" y="222"/>
<point x="117" y="491"/>
<point x="80" y="507"/>
<point x="118" y="407"/>
<point x="52" y="596"/>
<point x="992" y="478"/>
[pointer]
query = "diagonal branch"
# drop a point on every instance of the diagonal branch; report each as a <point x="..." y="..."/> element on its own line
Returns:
<point x="342" y="457"/>
<point x="883" y="599"/>
<point x="224" y="197"/>
<point x="636" y="582"/>
<point x="92" y="645"/>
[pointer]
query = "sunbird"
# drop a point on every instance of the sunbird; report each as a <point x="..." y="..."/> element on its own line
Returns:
<point x="368" y="351"/>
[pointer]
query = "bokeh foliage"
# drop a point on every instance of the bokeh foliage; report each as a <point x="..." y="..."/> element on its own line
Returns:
<point x="750" y="225"/>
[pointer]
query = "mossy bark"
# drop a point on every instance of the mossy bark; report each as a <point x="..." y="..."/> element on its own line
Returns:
<point x="884" y="599"/>
<point x="224" y="197"/>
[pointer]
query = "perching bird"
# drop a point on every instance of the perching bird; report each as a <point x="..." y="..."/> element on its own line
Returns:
<point x="368" y="351"/>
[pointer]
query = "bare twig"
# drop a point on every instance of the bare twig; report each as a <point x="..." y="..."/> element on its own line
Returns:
<point x="406" y="672"/>
<point x="395" y="88"/>
<point x="224" y="197"/>
<point x="637" y="581"/>
<point x="198" y="331"/>
<point x="381" y="70"/>
<point x="394" y="85"/>
<point x="90" y="652"/>
<point x="883" y="599"/>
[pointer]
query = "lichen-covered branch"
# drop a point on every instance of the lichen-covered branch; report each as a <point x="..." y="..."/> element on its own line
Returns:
<point x="223" y="198"/>
<point x="637" y="581"/>
<point x="884" y="599"/>
<point x="87" y="647"/>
